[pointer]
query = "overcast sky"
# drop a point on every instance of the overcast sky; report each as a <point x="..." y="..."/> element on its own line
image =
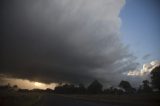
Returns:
<point x="73" y="41"/>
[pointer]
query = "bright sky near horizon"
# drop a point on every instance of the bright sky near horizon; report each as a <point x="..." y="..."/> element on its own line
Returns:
<point x="26" y="84"/>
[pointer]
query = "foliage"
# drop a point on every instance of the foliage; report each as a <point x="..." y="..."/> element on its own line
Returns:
<point x="127" y="87"/>
<point x="70" y="89"/>
<point x="155" y="77"/>
<point x="145" y="88"/>
<point x="114" y="91"/>
<point x="95" y="87"/>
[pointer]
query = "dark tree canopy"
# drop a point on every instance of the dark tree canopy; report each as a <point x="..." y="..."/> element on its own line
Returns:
<point x="81" y="89"/>
<point x="95" y="87"/>
<point x="145" y="88"/>
<point x="65" y="89"/>
<point x="126" y="86"/>
<point x="70" y="89"/>
<point x="113" y="91"/>
<point x="155" y="77"/>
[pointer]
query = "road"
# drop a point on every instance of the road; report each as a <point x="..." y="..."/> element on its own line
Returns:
<point x="55" y="100"/>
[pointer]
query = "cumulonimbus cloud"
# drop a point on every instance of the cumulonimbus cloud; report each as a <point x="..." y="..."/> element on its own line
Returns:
<point x="146" y="69"/>
<point x="63" y="40"/>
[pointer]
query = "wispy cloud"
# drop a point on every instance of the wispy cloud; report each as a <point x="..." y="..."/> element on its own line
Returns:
<point x="145" y="57"/>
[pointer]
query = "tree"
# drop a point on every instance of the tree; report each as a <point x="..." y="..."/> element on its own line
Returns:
<point x="65" y="89"/>
<point x="15" y="86"/>
<point x="81" y="89"/>
<point x="95" y="87"/>
<point x="126" y="86"/>
<point x="146" y="88"/>
<point x="155" y="77"/>
<point x="113" y="91"/>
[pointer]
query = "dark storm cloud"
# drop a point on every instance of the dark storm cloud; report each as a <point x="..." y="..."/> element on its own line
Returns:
<point x="63" y="40"/>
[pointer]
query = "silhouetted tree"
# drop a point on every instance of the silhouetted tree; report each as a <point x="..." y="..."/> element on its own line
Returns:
<point x="37" y="90"/>
<point x="140" y="89"/>
<point x="81" y="89"/>
<point x="127" y="87"/>
<point x="4" y="87"/>
<point x="24" y="90"/>
<point x="95" y="87"/>
<point x="48" y="90"/>
<point x="155" y="77"/>
<point x="146" y="88"/>
<point x="115" y="91"/>
<point x="15" y="87"/>
<point x="66" y="89"/>
<point x="59" y="89"/>
<point x="108" y="90"/>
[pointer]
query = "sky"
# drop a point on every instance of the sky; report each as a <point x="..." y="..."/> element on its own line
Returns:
<point x="140" y="28"/>
<point x="68" y="41"/>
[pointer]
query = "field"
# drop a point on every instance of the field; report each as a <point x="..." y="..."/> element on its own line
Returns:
<point x="18" y="98"/>
<point x="127" y="100"/>
<point x="35" y="99"/>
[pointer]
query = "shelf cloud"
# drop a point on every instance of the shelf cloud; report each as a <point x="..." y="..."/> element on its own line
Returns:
<point x="64" y="41"/>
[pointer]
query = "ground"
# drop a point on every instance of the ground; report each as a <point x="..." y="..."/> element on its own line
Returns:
<point x="51" y="99"/>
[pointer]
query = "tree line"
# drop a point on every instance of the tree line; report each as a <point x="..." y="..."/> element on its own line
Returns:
<point x="124" y="87"/>
<point x="96" y="87"/>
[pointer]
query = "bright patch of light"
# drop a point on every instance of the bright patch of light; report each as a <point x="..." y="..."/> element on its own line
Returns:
<point x="26" y="84"/>
<point x="38" y="84"/>
<point x="146" y="69"/>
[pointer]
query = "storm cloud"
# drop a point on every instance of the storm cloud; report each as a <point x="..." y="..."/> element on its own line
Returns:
<point x="63" y="40"/>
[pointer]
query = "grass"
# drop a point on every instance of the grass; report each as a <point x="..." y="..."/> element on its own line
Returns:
<point x="31" y="98"/>
<point x="18" y="99"/>
<point x="132" y="100"/>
